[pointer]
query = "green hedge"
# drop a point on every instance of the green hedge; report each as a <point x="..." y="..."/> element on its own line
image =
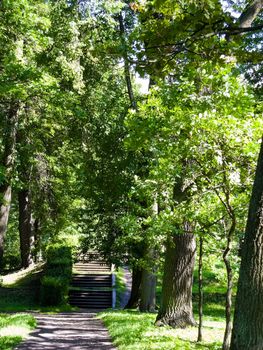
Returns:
<point x="57" y="275"/>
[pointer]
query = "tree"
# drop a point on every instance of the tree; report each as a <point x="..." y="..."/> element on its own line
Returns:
<point x="18" y="53"/>
<point x="173" y="47"/>
<point x="41" y="82"/>
<point x="188" y="127"/>
<point x="247" y="328"/>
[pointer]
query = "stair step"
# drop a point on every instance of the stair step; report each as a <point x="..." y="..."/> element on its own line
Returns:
<point x="91" y="264"/>
<point x="100" y="286"/>
<point x="90" y="306"/>
<point x="91" y="301"/>
<point x="93" y="277"/>
<point x="90" y="292"/>
<point x="87" y="274"/>
<point x="87" y="278"/>
<point x="91" y="270"/>
<point x="91" y="282"/>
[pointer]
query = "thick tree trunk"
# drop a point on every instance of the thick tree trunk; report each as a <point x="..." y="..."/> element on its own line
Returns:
<point x="25" y="228"/>
<point x="135" y="290"/>
<point x="176" y="305"/>
<point x="248" y="319"/>
<point x="8" y="164"/>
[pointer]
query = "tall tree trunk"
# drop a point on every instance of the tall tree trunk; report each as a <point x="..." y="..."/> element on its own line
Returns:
<point x="176" y="306"/>
<point x="6" y="194"/>
<point x="227" y="251"/>
<point x="248" y="318"/>
<point x="200" y="290"/>
<point x="126" y="63"/>
<point x="8" y="164"/>
<point x="135" y="290"/>
<point x="25" y="228"/>
<point x="148" y="284"/>
<point x="36" y="234"/>
<point x="148" y="288"/>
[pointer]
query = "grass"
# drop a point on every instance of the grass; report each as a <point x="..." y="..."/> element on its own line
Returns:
<point x="23" y="277"/>
<point x="14" y="328"/>
<point x="131" y="330"/>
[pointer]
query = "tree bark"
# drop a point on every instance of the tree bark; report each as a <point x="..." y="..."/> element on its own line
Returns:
<point x="36" y="233"/>
<point x="126" y="64"/>
<point x="200" y="291"/>
<point x="8" y="164"/>
<point x="227" y="251"/>
<point x="248" y="318"/>
<point x="25" y="228"/>
<point x="148" y="284"/>
<point x="135" y="290"/>
<point x="251" y="12"/>
<point x="176" y="305"/>
<point x="148" y="290"/>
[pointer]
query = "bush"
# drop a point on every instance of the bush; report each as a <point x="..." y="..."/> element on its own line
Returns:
<point x="54" y="290"/>
<point x="11" y="261"/>
<point x="58" y="251"/>
<point x="57" y="275"/>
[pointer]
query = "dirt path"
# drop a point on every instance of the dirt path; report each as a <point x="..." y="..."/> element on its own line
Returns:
<point x="71" y="331"/>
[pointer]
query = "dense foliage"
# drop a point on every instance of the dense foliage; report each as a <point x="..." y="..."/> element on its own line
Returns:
<point x="88" y="158"/>
<point x="57" y="275"/>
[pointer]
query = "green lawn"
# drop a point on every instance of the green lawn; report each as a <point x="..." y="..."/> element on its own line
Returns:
<point x="14" y="328"/>
<point x="131" y="330"/>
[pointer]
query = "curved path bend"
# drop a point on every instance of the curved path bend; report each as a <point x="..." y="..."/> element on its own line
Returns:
<point x="71" y="331"/>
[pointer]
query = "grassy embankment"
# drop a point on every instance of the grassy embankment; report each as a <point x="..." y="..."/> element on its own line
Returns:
<point x="19" y="292"/>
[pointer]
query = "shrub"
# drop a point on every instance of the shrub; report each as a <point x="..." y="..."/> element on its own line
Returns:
<point x="54" y="290"/>
<point x="11" y="261"/>
<point x="57" y="275"/>
<point x="58" y="251"/>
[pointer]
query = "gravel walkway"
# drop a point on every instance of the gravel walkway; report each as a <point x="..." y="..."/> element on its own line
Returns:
<point x="71" y="331"/>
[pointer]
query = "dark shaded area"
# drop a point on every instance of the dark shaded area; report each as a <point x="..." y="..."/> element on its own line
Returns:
<point x="72" y="331"/>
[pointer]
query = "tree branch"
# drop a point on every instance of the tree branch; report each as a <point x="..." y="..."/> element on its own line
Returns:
<point x="250" y="13"/>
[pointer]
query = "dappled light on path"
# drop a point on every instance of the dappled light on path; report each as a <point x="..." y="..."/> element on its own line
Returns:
<point x="72" y="331"/>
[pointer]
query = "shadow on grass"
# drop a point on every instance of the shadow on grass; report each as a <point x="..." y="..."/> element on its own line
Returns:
<point x="131" y="330"/>
<point x="213" y="311"/>
<point x="19" y="299"/>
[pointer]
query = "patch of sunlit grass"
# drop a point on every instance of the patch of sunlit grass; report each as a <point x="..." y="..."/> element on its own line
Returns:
<point x="14" y="328"/>
<point x="12" y="279"/>
<point x="131" y="330"/>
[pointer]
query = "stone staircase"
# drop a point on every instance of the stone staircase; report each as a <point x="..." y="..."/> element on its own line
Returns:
<point x="91" y="285"/>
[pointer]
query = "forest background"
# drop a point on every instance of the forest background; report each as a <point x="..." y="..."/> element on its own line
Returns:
<point x="139" y="177"/>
